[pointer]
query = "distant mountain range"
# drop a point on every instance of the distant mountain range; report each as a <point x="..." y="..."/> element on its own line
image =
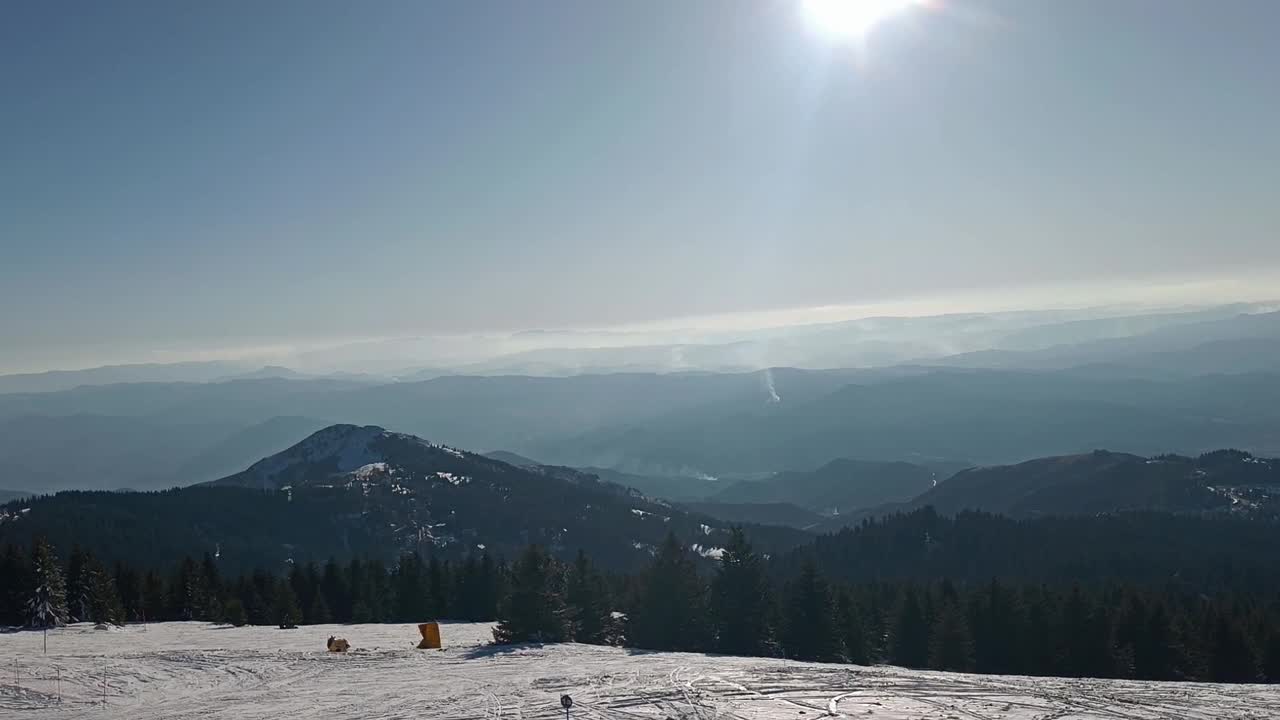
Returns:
<point x="1099" y="482"/>
<point x="779" y="513"/>
<point x="1186" y="382"/>
<point x="11" y="495"/>
<point x="840" y="485"/>
<point x="352" y="490"/>
<point x="1104" y="481"/>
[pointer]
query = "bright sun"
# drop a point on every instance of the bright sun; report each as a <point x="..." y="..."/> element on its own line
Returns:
<point x="852" y="18"/>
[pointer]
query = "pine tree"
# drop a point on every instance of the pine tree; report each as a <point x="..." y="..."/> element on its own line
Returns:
<point x="587" y="599"/>
<point x="377" y="591"/>
<point x="313" y="597"/>
<point x="1156" y="654"/>
<point x="909" y="636"/>
<point x="187" y="597"/>
<point x="1271" y="655"/>
<point x="48" y="603"/>
<point x="286" y="612"/>
<point x="950" y="642"/>
<point x="129" y="586"/>
<point x="491" y="589"/>
<point x="209" y="591"/>
<point x="361" y="611"/>
<point x="412" y="602"/>
<point x="740" y="601"/>
<point x="319" y="614"/>
<point x="809" y="626"/>
<point x="154" y="601"/>
<point x="78" y="584"/>
<point x="535" y="611"/>
<point x="104" y="598"/>
<point x="1037" y="646"/>
<point x="466" y="590"/>
<point x="437" y="588"/>
<point x="1086" y="638"/>
<point x="336" y="591"/>
<point x="16" y="581"/>
<point x="671" y="610"/>
<point x="233" y="612"/>
<point x="997" y="623"/>
<point x="853" y="630"/>
<point x="256" y="607"/>
<point x="1231" y="658"/>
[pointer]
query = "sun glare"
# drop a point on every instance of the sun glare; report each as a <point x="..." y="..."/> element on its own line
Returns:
<point x="852" y="18"/>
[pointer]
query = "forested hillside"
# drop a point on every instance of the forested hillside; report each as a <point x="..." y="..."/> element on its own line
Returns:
<point x="362" y="491"/>
<point x="818" y="604"/>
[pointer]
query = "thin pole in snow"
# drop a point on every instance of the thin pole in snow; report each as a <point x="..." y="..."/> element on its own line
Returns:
<point x="59" y="684"/>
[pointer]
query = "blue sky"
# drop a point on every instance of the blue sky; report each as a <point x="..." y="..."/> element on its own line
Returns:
<point x="210" y="175"/>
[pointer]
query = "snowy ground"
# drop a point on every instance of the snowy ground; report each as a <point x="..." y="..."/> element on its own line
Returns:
<point x="190" y="670"/>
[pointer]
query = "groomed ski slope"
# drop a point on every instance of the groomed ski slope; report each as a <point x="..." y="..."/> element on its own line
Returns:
<point x="197" y="670"/>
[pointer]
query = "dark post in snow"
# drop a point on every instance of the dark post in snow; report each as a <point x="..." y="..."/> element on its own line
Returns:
<point x="566" y="702"/>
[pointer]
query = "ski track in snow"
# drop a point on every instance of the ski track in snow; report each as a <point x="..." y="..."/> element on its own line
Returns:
<point x="198" y="670"/>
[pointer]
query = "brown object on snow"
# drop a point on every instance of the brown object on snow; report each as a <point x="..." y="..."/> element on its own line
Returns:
<point x="430" y="636"/>
<point x="337" y="644"/>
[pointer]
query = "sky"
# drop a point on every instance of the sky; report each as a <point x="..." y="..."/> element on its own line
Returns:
<point x="207" y="176"/>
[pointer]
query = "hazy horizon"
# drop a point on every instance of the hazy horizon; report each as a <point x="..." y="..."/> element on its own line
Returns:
<point x="356" y="354"/>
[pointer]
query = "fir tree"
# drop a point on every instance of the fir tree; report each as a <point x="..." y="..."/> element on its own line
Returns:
<point x="1085" y="639"/>
<point x="286" y="612"/>
<point x="587" y="599"/>
<point x="129" y="586"/>
<point x="377" y="591"/>
<point x="187" y="598"/>
<point x="233" y="612"/>
<point x="492" y="587"/>
<point x="15" y="582"/>
<point x="671" y="610"/>
<point x="1231" y="658"/>
<point x="853" y="631"/>
<point x="1156" y="652"/>
<point x="336" y="591"/>
<point x="47" y="606"/>
<point x="104" y="598"/>
<point x="1038" y="645"/>
<point x="412" y="603"/>
<point x="154" y="599"/>
<point x="318" y="613"/>
<point x="1271" y="655"/>
<point x="209" y="589"/>
<point x="810" y="630"/>
<point x="535" y="612"/>
<point x="78" y="584"/>
<point x="997" y="621"/>
<point x="437" y="588"/>
<point x="740" y="600"/>
<point x="466" y="590"/>
<point x="909" y="636"/>
<point x="950" y="643"/>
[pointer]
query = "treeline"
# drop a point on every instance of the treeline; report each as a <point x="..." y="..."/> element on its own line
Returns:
<point x="1114" y="631"/>
<point x="1199" y="553"/>
<point x="40" y="592"/>
<point x="743" y="605"/>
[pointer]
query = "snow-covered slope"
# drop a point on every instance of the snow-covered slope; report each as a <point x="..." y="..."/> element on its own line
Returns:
<point x="333" y="450"/>
<point x="194" y="670"/>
